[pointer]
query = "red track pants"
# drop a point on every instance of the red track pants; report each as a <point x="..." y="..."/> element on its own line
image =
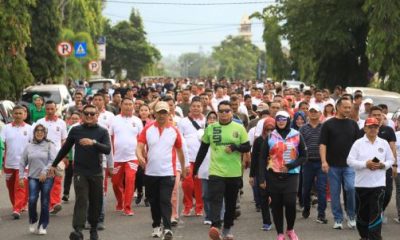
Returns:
<point x="192" y="187"/>
<point x="55" y="193"/>
<point x="18" y="196"/>
<point x="123" y="182"/>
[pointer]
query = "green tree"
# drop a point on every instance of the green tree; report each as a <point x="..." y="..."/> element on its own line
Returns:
<point x="328" y="40"/>
<point x="83" y="16"/>
<point x="237" y="58"/>
<point x="15" y="22"/>
<point x="384" y="40"/>
<point x="191" y="64"/>
<point x="278" y="65"/>
<point x="128" y="49"/>
<point x="43" y="60"/>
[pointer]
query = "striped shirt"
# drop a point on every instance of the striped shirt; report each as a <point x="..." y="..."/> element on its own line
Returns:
<point x="311" y="139"/>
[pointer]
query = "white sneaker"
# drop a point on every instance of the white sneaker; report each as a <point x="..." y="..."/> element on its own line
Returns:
<point x="338" y="225"/>
<point x="32" y="228"/>
<point x="156" y="232"/>
<point x="42" y="231"/>
<point x="207" y="222"/>
<point x="351" y="223"/>
<point x="167" y="235"/>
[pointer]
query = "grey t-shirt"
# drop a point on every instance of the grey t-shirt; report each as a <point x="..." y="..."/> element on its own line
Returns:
<point x="38" y="157"/>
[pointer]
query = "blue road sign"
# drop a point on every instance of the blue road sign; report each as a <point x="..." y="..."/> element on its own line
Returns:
<point x="80" y="49"/>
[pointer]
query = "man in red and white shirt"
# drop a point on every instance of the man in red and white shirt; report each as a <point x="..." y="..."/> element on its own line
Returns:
<point x="16" y="136"/>
<point x="164" y="146"/>
<point x="190" y="127"/>
<point x="57" y="133"/>
<point x="125" y="129"/>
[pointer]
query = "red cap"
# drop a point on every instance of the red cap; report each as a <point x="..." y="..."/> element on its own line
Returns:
<point x="371" y="121"/>
<point x="269" y="122"/>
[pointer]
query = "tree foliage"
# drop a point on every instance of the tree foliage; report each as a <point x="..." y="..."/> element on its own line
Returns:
<point x="192" y="64"/>
<point x="237" y="58"/>
<point x="328" y="40"/>
<point x="43" y="60"/>
<point x="15" y="21"/>
<point x="128" y="49"/>
<point x="277" y="62"/>
<point x="384" y="40"/>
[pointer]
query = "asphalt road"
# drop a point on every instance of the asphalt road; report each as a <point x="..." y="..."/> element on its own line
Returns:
<point x="138" y="227"/>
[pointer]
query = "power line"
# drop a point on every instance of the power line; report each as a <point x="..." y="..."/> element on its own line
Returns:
<point x="190" y="4"/>
<point x="194" y="43"/>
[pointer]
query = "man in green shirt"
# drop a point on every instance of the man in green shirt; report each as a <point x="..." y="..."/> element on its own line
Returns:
<point x="228" y="140"/>
<point x="36" y="108"/>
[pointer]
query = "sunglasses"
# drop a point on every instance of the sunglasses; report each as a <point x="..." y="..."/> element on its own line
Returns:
<point x="281" y="119"/>
<point x="39" y="130"/>
<point x="89" y="114"/>
<point x="224" y="111"/>
<point x="373" y="127"/>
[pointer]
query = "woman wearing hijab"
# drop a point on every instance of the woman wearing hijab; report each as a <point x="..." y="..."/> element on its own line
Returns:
<point x="282" y="154"/>
<point x="38" y="156"/>
<point x="299" y="120"/>
<point x="268" y="127"/>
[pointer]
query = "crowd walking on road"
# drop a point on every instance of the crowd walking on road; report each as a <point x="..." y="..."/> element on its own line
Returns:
<point x="183" y="146"/>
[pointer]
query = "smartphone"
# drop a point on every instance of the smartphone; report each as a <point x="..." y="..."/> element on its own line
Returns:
<point x="375" y="160"/>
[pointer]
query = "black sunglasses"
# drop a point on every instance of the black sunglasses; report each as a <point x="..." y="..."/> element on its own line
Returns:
<point x="224" y="111"/>
<point x="89" y="113"/>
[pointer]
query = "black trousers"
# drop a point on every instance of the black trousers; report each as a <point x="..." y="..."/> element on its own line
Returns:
<point x="89" y="200"/>
<point x="220" y="189"/>
<point x="264" y="204"/>
<point x="159" y="192"/>
<point x="369" y="202"/>
<point x="69" y="173"/>
<point x="280" y="201"/>
<point x="388" y="188"/>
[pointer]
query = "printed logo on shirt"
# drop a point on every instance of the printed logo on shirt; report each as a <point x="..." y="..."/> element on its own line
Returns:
<point x="58" y="129"/>
<point x="380" y="150"/>
<point x="133" y="125"/>
<point x="105" y="117"/>
<point x="25" y="133"/>
<point x="235" y="134"/>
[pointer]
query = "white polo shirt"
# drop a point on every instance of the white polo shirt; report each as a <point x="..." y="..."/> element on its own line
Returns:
<point x="105" y="119"/>
<point x="191" y="135"/>
<point x="161" y="145"/>
<point x="56" y="130"/>
<point x="124" y="132"/>
<point x="362" y="151"/>
<point x="16" y="138"/>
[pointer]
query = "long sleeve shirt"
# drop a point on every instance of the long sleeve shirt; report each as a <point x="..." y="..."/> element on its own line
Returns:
<point x="38" y="157"/>
<point x="362" y="151"/>
<point x="88" y="159"/>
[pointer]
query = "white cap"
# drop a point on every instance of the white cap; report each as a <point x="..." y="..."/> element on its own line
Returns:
<point x="315" y="107"/>
<point x="369" y="100"/>
<point x="283" y="113"/>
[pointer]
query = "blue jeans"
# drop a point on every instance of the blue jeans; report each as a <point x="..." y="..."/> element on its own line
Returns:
<point x="312" y="170"/>
<point x="206" y="201"/>
<point x="44" y="188"/>
<point x="336" y="175"/>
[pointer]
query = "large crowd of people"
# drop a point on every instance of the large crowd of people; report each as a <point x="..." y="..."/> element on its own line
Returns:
<point x="154" y="139"/>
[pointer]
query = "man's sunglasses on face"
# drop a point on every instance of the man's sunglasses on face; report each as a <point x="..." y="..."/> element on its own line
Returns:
<point x="89" y="114"/>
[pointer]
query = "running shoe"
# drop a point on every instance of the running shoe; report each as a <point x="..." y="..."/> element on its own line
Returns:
<point x="156" y="232"/>
<point x="65" y="198"/>
<point x="397" y="219"/>
<point x="214" y="234"/>
<point x="266" y="227"/>
<point x="351" y="223"/>
<point x="187" y="213"/>
<point x="322" y="220"/>
<point x="306" y="213"/>
<point x="100" y="226"/>
<point x="228" y="237"/>
<point x="167" y="235"/>
<point x="42" y="231"/>
<point x="129" y="213"/>
<point x="338" y="226"/>
<point x="16" y="215"/>
<point x="174" y="222"/>
<point x="292" y="235"/>
<point x="281" y="237"/>
<point x="56" y="209"/>
<point x="207" y="222"/>
<point x="138" y="198"/>
<point x="32" y="228"/>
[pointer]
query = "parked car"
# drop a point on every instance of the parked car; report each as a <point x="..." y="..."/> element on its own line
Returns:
<point x="98" y="83"/>
<point x="55" y="92"/>
<point x="6" y="108"/>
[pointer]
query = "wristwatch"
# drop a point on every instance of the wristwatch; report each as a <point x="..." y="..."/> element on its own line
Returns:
<point x="94" y="141"/>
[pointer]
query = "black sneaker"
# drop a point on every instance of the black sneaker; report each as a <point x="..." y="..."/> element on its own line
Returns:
<point x="322" y="220"/>
<point x="305" y="213"/>
<point x="76" y="235"/>
<point x="94" y="235"/>
<point x="139" y="198"/>
<point x="65" y="198"/>
<point x="16" y="215"/>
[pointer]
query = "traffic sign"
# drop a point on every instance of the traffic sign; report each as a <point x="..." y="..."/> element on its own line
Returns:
<point x="94" y="66"/>
<point x="64" y="48"/>
<point x="80" y="49"/>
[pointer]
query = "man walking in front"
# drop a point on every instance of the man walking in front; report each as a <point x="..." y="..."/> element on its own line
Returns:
<point x="90" y="141"/>
<point x="337" y="136"/>
<point x="164" y="144"/>
<point x="228" y="140"/>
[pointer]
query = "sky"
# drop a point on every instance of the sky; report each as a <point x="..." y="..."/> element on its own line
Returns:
<point x="177" y="29"/>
